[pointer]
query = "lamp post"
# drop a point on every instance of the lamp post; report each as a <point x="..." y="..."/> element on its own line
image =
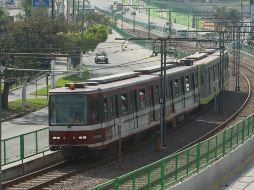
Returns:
<point x="134" y="22"/>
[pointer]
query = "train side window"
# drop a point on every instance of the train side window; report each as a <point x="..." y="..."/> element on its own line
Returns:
<point x="182" y="86"/>
<point x="115" y="107"/>
<point x="211" y="73"/>
<point x="209" y="81"/>
<point x="168" y="89"/>
<point x="110" y="107"/>
<point x="94" y="110"/>
<point x="214" y="73"/>
<point x="106" y="114"/>
<point x="124" y="103"/>
<point x="202" y="78"/>
<point x="177" y="87"/>
<point x="151" y="96"/>
<point x="193" y="81"/>
<point x="171" y="89"/>
<point x="136" y="107"/>
<point x="131" y="97"/>
<point x="187" y="84"/>
<point x="142" y="97"/>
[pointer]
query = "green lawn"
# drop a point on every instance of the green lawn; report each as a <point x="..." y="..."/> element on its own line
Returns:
<point x="32" y="104"/>
<point x="16" y="108"/>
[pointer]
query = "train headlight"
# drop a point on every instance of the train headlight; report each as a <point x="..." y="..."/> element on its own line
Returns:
<point x="82" y="137"/>
<point x="56" y="138"/>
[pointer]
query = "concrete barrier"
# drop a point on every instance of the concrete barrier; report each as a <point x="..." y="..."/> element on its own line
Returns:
<point x="31" y="166"/>
<point x="216" y="171"/>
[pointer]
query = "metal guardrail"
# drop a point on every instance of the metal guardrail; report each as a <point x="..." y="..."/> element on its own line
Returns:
<point x="24" y="146"/>
<point x="175" y="168"/>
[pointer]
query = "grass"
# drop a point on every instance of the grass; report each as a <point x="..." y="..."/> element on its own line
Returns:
<point x="61" y="82"/>
<point x="32" y="104"/>
<point x="16" y="108"/>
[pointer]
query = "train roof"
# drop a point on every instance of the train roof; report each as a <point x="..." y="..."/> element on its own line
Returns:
<point x="197" y="56"/>
<point x="128" y="79"/>
<point x="176" y="70"/>
<point x="136" y="79"/>
<point x="113" y="78"/>
<point x="207" y="58"/>
<point x="153" y="69"/>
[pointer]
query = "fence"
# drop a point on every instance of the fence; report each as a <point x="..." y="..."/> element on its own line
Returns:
<point x="23" y="146"/>
<point x="175" y="168"/>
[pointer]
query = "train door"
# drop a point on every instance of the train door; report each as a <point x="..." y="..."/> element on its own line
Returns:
<point x="151" y="103"/>
<point x="135" y="107"/>
<point x="132" y="109"/>
<point x="171" y="95"/>
<point x="209" y="80"/>
<point x="156" y="97"/>
<point x="115" y="113"/>
<point x="182" y="81"/>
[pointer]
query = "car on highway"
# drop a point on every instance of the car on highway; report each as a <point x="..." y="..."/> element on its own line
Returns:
<point x="101" y="57"/>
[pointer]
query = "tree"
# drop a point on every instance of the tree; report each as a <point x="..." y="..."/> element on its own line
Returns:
<point x="3" y="16"/>
<point x="226" y="18"/>
<point x="39" y="33"/>
<point x="36" y="33"/>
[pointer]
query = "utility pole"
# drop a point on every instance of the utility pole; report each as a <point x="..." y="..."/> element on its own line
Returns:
<point x="73" y="10"/>
<point x="221" y="70"/>
<point x="68" y="11"/>
<point x="47" y="85"/>
<point x="119" y="145"/>
<point x="24" y="99"/>
<point x="78" y="8"/>
<point x="237" y="59"/>
<point x="53" y="63"/>
<point x="162" y="100"/>
<point x="26" y="8"/>
<point x="122" y="16"/>
<point x="149" y="24"/>
<point x="169" y="23"/>
<point x="134" y="21"/>
<point x="53" y="9"/>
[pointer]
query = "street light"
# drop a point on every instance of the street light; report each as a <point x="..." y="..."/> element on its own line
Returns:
<point x="134" y="14"/>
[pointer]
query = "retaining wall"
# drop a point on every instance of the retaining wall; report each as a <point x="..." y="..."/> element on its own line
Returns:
<point x="31" y="166"/>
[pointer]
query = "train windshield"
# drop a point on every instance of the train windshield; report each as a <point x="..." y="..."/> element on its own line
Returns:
<point x="68" y="109"/>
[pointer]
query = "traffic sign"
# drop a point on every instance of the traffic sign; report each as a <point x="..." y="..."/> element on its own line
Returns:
<point x="40" y="3"/>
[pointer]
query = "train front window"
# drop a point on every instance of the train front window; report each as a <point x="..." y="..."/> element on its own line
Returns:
<point x="68" y="109"/>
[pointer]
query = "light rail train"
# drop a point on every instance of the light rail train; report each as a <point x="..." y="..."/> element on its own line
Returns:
<point x="93" y="115"/>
